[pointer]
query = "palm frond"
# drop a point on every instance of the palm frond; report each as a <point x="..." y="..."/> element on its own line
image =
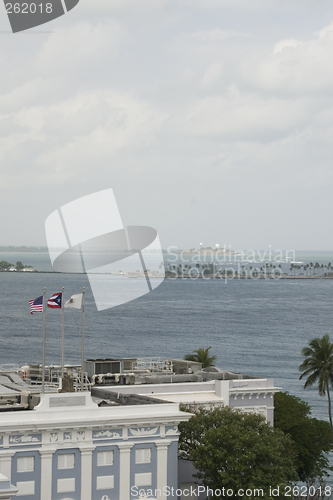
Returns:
<point x="201" y="355"/>
<point x="317" y="367"/>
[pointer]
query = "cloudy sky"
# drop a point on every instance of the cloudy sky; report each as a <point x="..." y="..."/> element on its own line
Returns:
<point x="212" y="120"/>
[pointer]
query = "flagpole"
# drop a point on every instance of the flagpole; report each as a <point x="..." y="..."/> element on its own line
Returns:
<point x="43" y="360"/>
<point x="82" y="344"/>
<point x="62" y="333"/>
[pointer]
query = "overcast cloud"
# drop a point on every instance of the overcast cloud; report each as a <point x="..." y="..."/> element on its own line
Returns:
<point x="212" y="120"/>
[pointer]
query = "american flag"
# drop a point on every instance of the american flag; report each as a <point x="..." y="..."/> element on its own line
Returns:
<point x="36" y="305"/>
<point x="55" y="301"/>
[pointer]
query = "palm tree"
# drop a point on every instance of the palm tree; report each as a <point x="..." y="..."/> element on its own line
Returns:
<point x="201" y="356"/>
<point x="318" y="367"/>
<point x="316" y="266"/>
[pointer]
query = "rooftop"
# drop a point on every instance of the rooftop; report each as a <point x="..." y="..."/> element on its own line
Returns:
<point x="129" y="382"/>
<point x="57" y="411"/>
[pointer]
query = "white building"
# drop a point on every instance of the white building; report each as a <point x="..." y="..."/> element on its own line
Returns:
<point x="249" y="395"/>
<point x="246" y="394"/>
<point x="68" y="448"/>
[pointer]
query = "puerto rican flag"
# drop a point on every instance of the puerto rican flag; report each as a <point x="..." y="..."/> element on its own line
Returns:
<point x="55" y="301"/>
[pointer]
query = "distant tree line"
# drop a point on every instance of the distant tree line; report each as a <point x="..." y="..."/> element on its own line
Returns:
<point x="24" y="249"/>
<point x="5" y="265"/>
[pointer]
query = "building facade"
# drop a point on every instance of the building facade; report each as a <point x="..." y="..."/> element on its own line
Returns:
<point x="65" y="446"/>
<point x="69" y="448"/>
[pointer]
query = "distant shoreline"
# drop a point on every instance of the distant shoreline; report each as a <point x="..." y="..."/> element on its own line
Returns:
<point x="23" y="249"/>
<point x="230" y="277"/>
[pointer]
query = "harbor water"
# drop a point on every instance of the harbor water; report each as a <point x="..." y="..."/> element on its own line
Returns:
<point x="257" y="327"/>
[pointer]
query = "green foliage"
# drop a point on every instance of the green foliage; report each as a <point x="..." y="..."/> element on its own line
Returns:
<point x="236" y="450"/>
<point x="312" y="437"/>
<point x="318" y="368"/>
<point x="201" y="355"/>
<point x="289" y="411"/>
<point x="4" y="264"/>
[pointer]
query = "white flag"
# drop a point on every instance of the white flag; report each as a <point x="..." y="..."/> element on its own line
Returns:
<point x="75" y="301"/>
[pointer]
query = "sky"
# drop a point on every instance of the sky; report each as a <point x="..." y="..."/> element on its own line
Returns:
<point x="212" y="120"/>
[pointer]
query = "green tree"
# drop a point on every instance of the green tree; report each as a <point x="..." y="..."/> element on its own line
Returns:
<point x="202" y="356"/>
<point x="312" y="437"/>
<point x="4" y="264"/>
<point x="318" y="368"/>
<point x="237" y="450"/>
<point x="19" y="265"/>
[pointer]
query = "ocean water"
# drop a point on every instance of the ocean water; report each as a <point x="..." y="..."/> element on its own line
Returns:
<point x="257" y="327"/>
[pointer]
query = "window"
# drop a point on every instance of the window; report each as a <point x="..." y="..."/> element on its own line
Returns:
<point x="25" y="464"/>
<point x="104" y="482"/>
<point x="143" y="479"/>
<point x="25" y="488"/>
<point x="66" y="461"/>
<point x="66" y="485"/>
<point x="105" y="458"/>
<point x="143" y="455"/>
